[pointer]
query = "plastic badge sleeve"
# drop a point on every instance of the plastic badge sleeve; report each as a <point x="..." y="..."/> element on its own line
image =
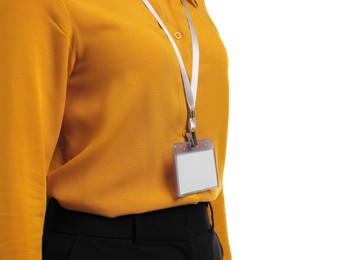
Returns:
<point x="195" y="168"/>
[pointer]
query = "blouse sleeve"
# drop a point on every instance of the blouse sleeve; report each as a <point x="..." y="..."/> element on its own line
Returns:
<point x="220" y="224"/>
<point x="36" y="57"/>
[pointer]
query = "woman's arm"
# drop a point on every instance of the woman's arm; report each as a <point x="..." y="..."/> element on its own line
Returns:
<point x="36" y="57"/>
<point x="220" y="224"/>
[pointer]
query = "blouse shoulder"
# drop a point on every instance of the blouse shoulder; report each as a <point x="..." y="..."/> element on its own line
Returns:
<point x="36" y="15"/>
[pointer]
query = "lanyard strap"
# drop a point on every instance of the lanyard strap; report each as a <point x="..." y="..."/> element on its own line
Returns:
<point x="190" y="88"/>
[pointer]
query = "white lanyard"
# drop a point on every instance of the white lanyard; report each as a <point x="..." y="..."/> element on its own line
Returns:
<point x="190" y="88"/>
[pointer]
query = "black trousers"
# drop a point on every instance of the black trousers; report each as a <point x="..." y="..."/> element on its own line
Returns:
<point x="178" y="233"/>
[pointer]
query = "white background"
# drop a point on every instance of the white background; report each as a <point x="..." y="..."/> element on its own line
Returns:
<point x="284" y="182"/>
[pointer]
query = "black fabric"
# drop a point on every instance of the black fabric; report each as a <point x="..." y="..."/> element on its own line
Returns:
<point x="178" y="233"/>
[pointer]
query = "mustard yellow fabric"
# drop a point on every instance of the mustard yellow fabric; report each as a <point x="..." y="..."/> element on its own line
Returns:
<point x="91" y="102"/>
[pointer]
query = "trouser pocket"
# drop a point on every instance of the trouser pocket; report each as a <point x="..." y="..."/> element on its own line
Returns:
<point x="57" y="246"/>
<point x="206" y="247"/>
<point x="217" y="245"/>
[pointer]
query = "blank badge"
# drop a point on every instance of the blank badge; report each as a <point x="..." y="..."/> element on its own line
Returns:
<point x="196" y="169"/>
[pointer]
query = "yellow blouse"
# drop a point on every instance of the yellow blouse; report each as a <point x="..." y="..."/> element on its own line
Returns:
<point x="91" y="103"/>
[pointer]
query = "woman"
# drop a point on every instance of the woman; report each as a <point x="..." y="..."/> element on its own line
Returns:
<point x="93" y="100"/>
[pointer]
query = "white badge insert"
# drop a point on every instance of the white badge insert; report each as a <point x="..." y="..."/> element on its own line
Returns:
<point x="196" y="169"/>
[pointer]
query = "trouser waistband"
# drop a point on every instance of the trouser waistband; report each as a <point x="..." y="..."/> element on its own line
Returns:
<point x="171" y="224"/>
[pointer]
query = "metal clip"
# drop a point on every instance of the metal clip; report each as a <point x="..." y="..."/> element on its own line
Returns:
<point x="191" y="124"/>
<point x="191" y="136"/>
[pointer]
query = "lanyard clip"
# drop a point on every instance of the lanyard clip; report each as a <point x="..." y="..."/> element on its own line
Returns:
<point x="191" y="136"/>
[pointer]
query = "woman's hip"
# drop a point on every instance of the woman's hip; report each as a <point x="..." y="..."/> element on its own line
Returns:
<point x="178" y="233"/>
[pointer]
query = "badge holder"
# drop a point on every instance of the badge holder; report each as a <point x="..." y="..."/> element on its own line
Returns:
<point x="196" y="169"/>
